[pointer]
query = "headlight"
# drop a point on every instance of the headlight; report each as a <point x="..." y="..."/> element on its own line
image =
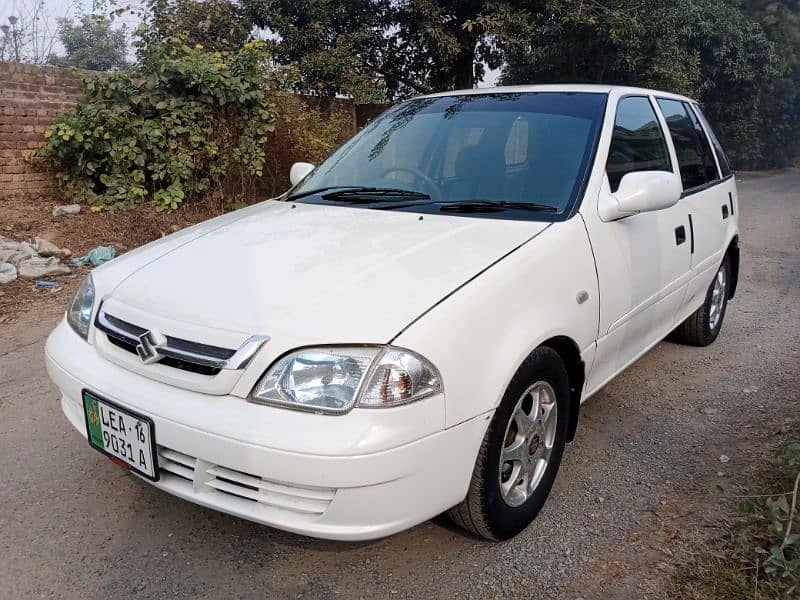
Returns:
<point x="333" y="379"/>
<point x="79" y="313"/>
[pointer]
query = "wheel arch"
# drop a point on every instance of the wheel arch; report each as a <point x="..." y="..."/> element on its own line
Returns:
<point x="733" y="255"/>
<point x="568" y="350"/>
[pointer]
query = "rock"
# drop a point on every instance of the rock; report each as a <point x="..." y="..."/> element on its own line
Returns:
<point x="724" y="458"/>
<point x="750" y="389"/>
<point x="15" y="252"/>
<point x="709" y="410"/>
<point x="8" y="272"/>
<point x="47" y="248"/>
<point x="66" y="209"/>
<point x="36" y="267"/>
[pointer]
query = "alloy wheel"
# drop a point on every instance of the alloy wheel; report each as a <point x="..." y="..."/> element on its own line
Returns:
<point x="717" y="299"/>
<point x="528" y="443"/>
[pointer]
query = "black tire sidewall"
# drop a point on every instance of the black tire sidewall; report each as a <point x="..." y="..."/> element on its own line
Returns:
<point x="504" y="520"/>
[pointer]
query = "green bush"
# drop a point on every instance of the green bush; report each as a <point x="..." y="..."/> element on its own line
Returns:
<point x="303" y="133"/>
<point x="189" y="124"/>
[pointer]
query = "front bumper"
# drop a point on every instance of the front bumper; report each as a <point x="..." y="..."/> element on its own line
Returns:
<point x="329" y="491"/>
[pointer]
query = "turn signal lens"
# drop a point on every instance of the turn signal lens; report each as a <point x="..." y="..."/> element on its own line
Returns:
<point x="400" y="376"/>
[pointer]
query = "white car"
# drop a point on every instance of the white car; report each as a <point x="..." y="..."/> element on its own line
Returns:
<point x="413" y="327"/>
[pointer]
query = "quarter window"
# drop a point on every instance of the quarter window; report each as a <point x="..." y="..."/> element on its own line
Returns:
<point x="638" y="142"/>
<point x="724" y="164"/>
<point x="695" y="158"/>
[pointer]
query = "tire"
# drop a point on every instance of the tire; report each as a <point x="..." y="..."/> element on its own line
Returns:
<point x="497" y="506"/>
<point x="704" y="324"/>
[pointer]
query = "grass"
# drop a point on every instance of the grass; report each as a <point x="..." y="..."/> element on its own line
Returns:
<point x="760" y="557"/>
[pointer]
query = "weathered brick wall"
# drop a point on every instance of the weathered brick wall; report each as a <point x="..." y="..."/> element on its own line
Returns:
<point x="31" y="97"/>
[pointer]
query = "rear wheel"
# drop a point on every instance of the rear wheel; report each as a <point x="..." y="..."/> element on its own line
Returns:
<point x="703" y="326"/>
<point x="521" y="451"/>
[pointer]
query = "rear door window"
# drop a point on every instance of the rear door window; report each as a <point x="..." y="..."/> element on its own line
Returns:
<point x="638" y="142"/>
<point x="695" y="158"/>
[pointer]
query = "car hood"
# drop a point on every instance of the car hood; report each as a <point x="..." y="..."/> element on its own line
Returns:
<point x="322" y="274"/>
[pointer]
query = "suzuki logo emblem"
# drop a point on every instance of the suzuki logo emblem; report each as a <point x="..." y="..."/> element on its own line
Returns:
<point x="149" y="344"/>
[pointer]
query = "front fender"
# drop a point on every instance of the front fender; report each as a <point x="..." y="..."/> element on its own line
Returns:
<point x="480" y="334"/>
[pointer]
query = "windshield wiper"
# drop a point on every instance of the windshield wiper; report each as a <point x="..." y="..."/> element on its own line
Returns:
<point x="359" y="194"/>
<point x="320" y="190"/>
<point x="493" y="205"/>
<point x="368" y="195"/>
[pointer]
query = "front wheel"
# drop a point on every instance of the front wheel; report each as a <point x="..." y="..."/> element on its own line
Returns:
<point x="703" y="326"/>
<point x="521" y="451"/>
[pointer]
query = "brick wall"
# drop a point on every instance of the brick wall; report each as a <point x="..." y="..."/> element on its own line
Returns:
<point x="31" y="97"/>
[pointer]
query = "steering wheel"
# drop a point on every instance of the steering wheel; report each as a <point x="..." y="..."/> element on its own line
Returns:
<point x="433" y="189"/>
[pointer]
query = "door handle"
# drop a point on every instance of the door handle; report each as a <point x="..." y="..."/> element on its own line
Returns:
<point x="680" y="235"/>
<point x="724" y="211"/>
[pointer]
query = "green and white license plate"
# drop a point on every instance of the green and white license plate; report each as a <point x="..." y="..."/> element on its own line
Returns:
<point x="121" y="434"/>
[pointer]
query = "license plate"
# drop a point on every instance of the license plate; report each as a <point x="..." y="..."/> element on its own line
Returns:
<point x="121" y="434"/>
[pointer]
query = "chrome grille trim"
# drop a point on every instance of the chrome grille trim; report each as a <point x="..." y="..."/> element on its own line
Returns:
<point x="183" y="350"/>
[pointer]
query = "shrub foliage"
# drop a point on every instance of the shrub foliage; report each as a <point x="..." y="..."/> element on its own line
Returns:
<point x="190" y="124"/>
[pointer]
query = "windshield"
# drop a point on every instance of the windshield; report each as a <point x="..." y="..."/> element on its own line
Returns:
<point x="510" y="148"/>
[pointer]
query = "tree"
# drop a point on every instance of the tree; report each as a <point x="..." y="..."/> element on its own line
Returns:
<point x="393" y="48"/>
<point x="216" y="25"/>
<point x="336" y="45"/>
<point x="707" y="49"/>
<point x="779" y="124"/>
<point x="437" y="45"/>
<point x="91" y="44"/>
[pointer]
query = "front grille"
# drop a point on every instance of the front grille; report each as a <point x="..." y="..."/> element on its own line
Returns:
<point x="218" y="479"/>
<point x="167" y="360"/>
<point x="178" y="353"/>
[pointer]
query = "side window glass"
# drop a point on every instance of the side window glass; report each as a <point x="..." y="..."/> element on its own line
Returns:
<point x="695" y="160"/>
<point x="638" y="143"/>
<point x="516" y="150"/>
<point x="722" y="159"/>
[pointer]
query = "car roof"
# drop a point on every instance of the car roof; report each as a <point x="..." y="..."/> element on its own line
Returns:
<point x="559" y="87"/>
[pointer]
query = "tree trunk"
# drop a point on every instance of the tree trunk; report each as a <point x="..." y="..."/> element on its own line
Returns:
<point x="463" y="76"/>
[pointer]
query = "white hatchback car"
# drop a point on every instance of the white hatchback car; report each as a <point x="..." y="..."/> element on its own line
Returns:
<point x="412" y="328"/>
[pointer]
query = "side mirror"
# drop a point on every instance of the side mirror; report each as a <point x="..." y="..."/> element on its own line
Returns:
<point x="638" y="192"/>
<point x="299" y="171"/>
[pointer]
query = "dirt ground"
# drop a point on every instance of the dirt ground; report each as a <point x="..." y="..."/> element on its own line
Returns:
<point x="641" y="489"/>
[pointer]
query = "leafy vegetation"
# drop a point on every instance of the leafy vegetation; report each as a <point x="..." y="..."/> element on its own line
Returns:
<point x="217" y="25"/>
<point x="193" y="123"/>
<point x="707" y="49"/>
<point x="335" y="46"/>
<point x="778" y="537"/>
<point x="91" y="43"/>
<point x="197" y="114"/>
<point x="740" y="57"/>
<point x="762" y="558"/>
<point x="304" y="133"/>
